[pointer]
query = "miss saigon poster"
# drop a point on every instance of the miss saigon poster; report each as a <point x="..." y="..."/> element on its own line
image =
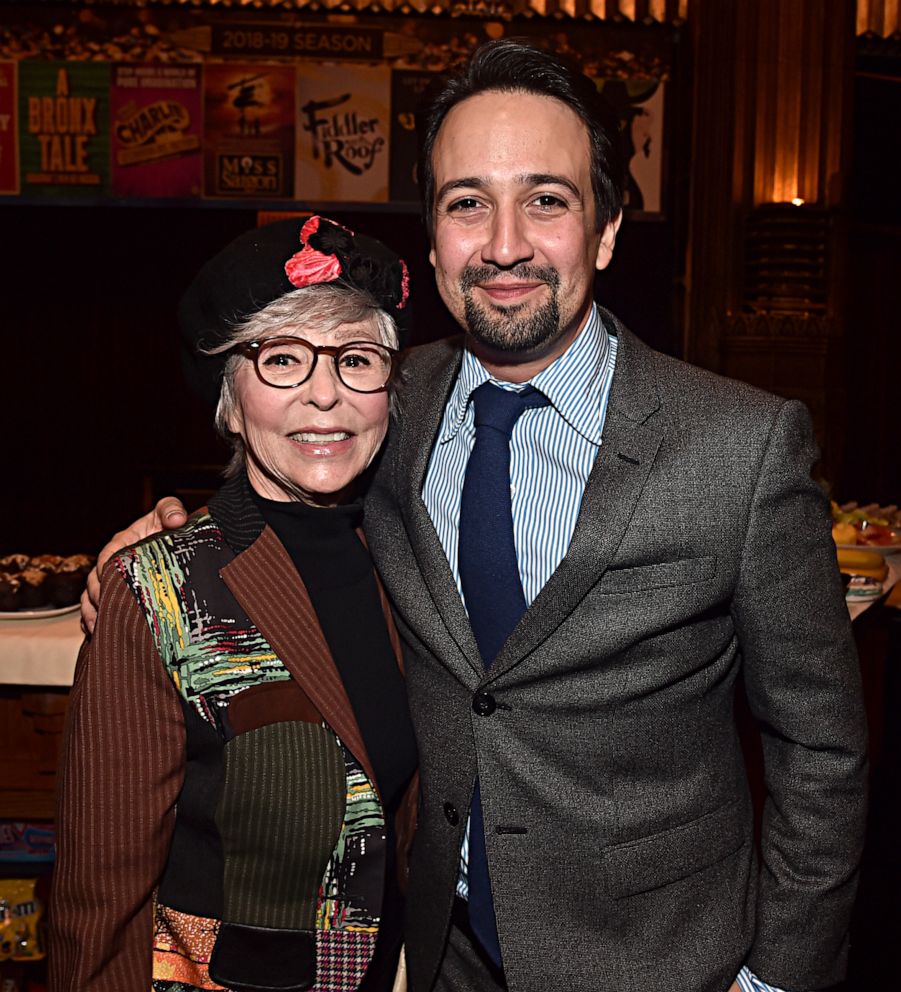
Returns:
<point x="249" y="130"/>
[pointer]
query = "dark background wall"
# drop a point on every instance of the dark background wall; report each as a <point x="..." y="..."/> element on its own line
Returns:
<point x="94" y="398"/>
<point x="98" y="416"/>
<point x="874" y="321"/>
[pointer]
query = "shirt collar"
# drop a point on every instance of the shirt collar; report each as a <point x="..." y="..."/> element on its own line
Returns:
<point x="574" y="382"/>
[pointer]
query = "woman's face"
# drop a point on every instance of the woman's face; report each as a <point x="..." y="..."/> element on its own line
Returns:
<point x="312" y="442"/>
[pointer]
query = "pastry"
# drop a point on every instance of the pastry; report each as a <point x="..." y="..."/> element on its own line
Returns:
<point x="862" y="589"/>
<point x="66" y="584"/>
<point x="10" y="592"/>
<point x="44" y="563"/>
<point x="13" y="564"/>
<point x="34" y="592"/>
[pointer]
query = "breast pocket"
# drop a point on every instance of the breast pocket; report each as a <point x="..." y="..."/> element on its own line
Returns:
<point x="660" y="575"/>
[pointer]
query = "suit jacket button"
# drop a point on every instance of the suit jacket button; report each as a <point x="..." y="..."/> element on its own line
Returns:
<point x="450" y="811"/>
<point x="484" y="703"/>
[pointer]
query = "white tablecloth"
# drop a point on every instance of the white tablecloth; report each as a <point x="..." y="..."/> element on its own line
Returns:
<point x="39" y="651"/>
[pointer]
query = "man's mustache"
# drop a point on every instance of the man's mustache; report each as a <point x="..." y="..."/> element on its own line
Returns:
<point x="472" y="275"/>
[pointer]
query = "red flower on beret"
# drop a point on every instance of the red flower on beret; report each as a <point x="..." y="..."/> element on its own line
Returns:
<point x="309" y="266"/>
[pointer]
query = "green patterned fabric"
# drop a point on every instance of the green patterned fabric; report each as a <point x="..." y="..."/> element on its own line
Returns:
<point x="205" y="655"/>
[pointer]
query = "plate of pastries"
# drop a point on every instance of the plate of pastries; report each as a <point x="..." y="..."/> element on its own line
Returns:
<point x="41" y="585"/>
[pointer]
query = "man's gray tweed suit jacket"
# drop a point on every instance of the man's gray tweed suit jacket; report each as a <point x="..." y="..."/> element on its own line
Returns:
<point x="617" y="811"/>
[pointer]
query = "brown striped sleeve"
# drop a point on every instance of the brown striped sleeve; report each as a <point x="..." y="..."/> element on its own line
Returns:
<point x="121" y="772"/>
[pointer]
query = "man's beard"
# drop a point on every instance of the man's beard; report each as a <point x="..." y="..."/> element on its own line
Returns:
<point x="517" y="327"/>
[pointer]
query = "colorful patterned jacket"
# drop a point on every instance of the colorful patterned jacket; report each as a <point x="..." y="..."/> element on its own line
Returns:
<point x="217" y="803"/>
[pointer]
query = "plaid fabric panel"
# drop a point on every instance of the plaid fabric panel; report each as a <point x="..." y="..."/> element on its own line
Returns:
<point x="342" y="959"/>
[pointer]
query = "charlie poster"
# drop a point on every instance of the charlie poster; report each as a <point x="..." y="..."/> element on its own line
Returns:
<point x="343" y="124"/>
<point x="157" y="118"/>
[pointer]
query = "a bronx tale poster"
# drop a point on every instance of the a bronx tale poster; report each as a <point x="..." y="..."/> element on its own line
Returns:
<point x="343" y="127"/>
<point x="249" y="130"/>
<point x="64" y="128"/>
<point x="157" y="116"/>
<point x="9" y="149"/>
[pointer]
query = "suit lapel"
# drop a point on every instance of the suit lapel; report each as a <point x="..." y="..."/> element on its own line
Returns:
<point x="265" y="582"/>
<point x="419" y="426"/>
<point x="633" y="429"/>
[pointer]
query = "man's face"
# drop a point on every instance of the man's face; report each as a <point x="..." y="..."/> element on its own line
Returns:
<point x="515" y="245"/>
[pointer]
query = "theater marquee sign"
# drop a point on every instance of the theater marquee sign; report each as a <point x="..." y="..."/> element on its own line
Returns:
<point x="305" y="41"/>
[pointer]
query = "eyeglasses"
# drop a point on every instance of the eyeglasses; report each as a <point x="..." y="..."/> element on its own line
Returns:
<point x="362" y="366"/>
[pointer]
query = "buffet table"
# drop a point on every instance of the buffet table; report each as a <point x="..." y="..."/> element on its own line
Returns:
<point x="37" y="665"/>
<point x="42" y="652"/>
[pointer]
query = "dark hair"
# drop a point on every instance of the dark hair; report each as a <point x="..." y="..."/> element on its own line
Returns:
<point x="509" y="66"/>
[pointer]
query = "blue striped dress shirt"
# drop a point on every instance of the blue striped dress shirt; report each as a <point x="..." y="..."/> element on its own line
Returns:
<point x="552" y="452"/>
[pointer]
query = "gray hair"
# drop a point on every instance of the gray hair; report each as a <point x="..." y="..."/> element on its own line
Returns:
<point x="324" y="307"/>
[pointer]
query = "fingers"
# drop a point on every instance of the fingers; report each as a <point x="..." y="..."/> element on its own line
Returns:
<point x="170" y="513"/>
<point x="166" y="515"/>
<point x="89" y="599"/>
<point x="122" y="539"/>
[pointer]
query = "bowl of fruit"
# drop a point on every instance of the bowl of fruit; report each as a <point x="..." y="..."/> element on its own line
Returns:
<point x="872" y="527"/>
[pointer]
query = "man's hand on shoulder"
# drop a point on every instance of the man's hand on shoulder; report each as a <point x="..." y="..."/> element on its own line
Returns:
<point x="168" y="514"/>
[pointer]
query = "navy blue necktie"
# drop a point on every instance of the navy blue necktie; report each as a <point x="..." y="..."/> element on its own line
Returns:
<point x="492" y="589"/>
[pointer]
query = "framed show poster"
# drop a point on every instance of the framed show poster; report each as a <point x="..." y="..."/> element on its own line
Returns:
<point x="343" y="129"/>
<point x="157" y="125"/>
<point x="249" y="130"/>
<point x="407" y="88"/>
<point x="9" y="145"/>
<point x="64" y="128"/>
<point x="639" y="104"/>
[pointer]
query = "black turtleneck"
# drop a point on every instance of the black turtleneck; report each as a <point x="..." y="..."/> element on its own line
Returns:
<point x="338" y="574"/>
